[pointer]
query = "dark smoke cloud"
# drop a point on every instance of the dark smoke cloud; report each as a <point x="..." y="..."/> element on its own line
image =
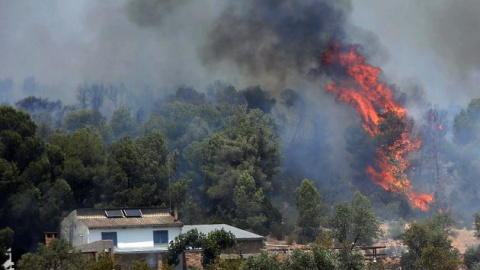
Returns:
<point x="151" y="13"/>
<point x="278" y="38"/>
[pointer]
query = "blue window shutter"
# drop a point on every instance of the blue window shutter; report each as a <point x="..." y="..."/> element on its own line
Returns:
<point x="160" y="237"/>
<point x="110" y="236"/>
<point x="156" y="237"/>
<point x="164" y="236"/>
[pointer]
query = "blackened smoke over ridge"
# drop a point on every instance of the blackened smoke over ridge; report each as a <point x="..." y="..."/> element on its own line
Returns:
<point x="275" y="39"/>
<point x="148" y="13"/>
<point x="274" y="43"/>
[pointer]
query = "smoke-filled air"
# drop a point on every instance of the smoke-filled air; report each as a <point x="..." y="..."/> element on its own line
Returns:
<point x="278" y="117"/>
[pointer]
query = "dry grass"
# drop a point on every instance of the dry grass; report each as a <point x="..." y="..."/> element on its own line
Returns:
<point x="464" y="239"/>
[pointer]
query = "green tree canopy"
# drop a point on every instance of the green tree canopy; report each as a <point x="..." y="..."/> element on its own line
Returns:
<point x="476" y="224"/>
<point x="30" y="187"/>
<point x="472" y="257"/>
<point x="77" y="120"/>
<point x="308" y="207"/>
<point x="248" y="201"/>
<point x="122" y="123"/>
<point x="248" y="144"/>
<point x="211" y="245"/>
<point x="429" y="246"/>
<point x="466" y="128"/>
<point x="299" y="260"/>
<point x="84" y="168"/>
<point x="467" y="123"/>
<point x="102" y="262"/>
<point x="138" y="171"/>
<point x="263" y="261"/>
<point x="321" y="258"/>
<point x="80" y="119"/>
<point x="58" y="255"/>
<point x="355" y="223"/>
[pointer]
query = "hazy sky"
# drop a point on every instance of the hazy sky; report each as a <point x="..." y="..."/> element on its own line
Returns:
<point x="435" y="43"/>
<point x="431" y="43"/>
<point x="63" y="43"/>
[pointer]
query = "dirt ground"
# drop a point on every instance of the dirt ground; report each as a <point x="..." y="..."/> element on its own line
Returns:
<point x="464" y="239"/>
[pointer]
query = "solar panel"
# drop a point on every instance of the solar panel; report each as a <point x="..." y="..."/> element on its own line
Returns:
<point x="113" y="213"/>
<point x="132" y="212"/>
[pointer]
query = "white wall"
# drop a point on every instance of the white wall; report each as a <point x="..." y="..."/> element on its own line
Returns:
<point x="74" y="230"/>
<point x="134" y="237"/>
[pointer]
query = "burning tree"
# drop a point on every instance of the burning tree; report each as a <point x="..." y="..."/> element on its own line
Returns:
<point x="433" y="161"/>
<point x="382" y="116"/>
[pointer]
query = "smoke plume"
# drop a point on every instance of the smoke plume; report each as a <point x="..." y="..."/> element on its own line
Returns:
<point x="275" y="38"/>
<point x="151" y="13"/>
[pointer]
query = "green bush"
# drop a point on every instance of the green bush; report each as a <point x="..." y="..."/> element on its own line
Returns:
<point x="299" y="260"/>
<point x="472" y="257"/>
<point x="325" y="258"/>
<point x="429" y="245"/>
<point x="227" y="264"/>
<point x="352" y="260"/>
<point x="260" y="262"/>
<point x="396" y="228"/>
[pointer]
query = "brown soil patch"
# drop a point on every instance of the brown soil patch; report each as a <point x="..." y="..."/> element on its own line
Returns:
<point x="194" y="260"/>
<point x="464" y="239"/>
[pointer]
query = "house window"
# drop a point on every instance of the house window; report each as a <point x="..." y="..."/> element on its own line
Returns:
<point x="110" y="236"/>
<point x="160" y="237"/>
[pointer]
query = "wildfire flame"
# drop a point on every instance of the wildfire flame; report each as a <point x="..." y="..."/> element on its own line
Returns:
<point x="371" y="98"/>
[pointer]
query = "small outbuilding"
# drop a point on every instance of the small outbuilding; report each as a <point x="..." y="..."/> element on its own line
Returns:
<point x="247" y="242"/>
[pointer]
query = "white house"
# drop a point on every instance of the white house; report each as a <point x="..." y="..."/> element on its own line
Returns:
<point x="135" y="233"/>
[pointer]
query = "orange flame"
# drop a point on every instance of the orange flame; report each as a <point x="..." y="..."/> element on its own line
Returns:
<point x="370" y="97"/>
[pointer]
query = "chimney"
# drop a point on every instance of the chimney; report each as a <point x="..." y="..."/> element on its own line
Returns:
<point x="175" y="212"/>
<point x="49" y="236"/>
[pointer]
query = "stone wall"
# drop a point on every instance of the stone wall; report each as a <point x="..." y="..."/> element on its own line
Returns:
<point x="153" y="259"/>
